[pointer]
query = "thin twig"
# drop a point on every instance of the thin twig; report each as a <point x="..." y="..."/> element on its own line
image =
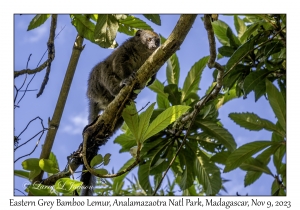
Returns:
<point x="51" y="54"/>
<point x="36" y="145"/>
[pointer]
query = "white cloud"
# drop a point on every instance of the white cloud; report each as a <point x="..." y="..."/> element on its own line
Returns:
<point x="38" y="33"/>
<point x="76" y="124"/>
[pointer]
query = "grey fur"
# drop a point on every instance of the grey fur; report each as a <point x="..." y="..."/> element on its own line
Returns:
<point x="109" y="76"/>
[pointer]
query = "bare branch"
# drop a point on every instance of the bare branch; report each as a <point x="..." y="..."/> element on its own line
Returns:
<point x="51" y="53"/>
<point x="36" y="145"/>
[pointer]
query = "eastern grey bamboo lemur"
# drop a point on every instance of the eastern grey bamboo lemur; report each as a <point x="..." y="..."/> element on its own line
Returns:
<point x="109" y="76"/>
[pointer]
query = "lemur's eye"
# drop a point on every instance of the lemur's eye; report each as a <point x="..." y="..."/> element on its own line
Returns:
<point x="149" y="39"/>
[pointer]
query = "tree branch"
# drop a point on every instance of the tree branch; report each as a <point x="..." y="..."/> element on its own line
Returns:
<point x="51" y="53"/>
<point x="101" y="129"/>
<point x="60" y="105"/>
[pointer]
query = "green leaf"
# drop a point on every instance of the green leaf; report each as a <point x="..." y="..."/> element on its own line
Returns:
<point x="233" y="76"/>
<point x="126" y="141"/>
<point x="239" y="25"/>
<point x="251" y="177"/>
<point x="155" y="18"/>
<point x="118" y="181"/>
<point x="37" y="21"/>
<point x="131" y="24"/>
<point x="66" y="185"/>
<point x="174" y="94"/>
<point x="106" y="159"/>
<point x="239" y="54"/>
<point x="218" y="132"/>
<point x="84" y="27"/>
<point x="187" y="163"/>
<point x="130" y="116"/>
<point x="144" y="121"/>
<point x="161" y="157"/>
<point x="227" y="96"/>
<point x="268" y="125"/>
<point x="48" y="166"/>
<point x="241" y="154"/>
<point x="101" y="171"/>
<point x="252" y="122"/>
<point x="247" y="120"/>
<point x="96" y="160"/>
<point x="54" y="159"/>
<point x="22" y="174"/>
<point x="254" y="78"/>
<point x="277" y="103"/>
<point x="224" y="34"/>
<point x="276" y="137"/>
<point x="282" y="173"/>
<point x="233" y="40"/>
<point x="220" y="157"/>
<point x="260" y="89"/>
<point x="226" y="51"/>
<point x="162" y="101"/>
<point x="264" y="157"/>
<point x="250" y="31"/>
<point x="275" y="188"/>
<point x="39" y="189"/>
<point x="31" y="164"/>
<point x="173" y="69"/>
<point x="208" y="174"/>
<point x="252" y="164"/>
<point x="106" y="30"/>
<point x="164" y="119"/>
<point x="277" y="157"/>
<point x="191" y="191"/>
<point x="34" y="173"/>
<point x="143" y="176"/>
<point x="191" y="83"/>
<point x="158" y="88"/>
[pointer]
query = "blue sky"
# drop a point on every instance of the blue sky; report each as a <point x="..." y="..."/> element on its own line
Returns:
<point x="75" y="114"/>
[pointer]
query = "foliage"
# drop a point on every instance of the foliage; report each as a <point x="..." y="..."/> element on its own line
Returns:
<point x="255" y="59"/>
